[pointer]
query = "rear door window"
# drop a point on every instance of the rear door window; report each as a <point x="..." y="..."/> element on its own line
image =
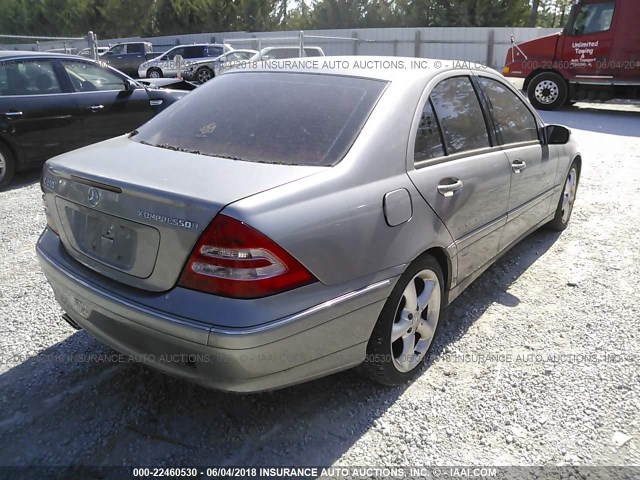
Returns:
<point x="193" y="52"/>
<point x="273" y="117"/>
<point x="457" y="107"/>
<point x="28" y="77"/>
<point x="135" y="48"/>
<point x="428" y="139"/>
<point x="214" y="51"/>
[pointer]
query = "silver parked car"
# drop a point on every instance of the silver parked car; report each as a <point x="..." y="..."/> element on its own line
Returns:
<point x="165" y="65"/>
<point x="276" y="226"/>
<point x="204" y="70"/>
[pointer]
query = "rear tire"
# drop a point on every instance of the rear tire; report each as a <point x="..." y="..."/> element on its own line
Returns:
<point x="204" y="74"/>
<point x="407" y="325"/>
<point x="567" y="198"/>
<point x="548" y="91"/>
<point x="7" y="166"/>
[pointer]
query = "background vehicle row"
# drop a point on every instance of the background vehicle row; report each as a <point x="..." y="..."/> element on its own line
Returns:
<point x="50" y="104"/>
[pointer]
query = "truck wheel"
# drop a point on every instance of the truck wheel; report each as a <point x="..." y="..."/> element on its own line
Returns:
<point x="154" y="73"/>
<point x="204" y="74"/>
<point x="7" y="166"/>
<point x="547" y="91"/>
<point x="407" y="324"/>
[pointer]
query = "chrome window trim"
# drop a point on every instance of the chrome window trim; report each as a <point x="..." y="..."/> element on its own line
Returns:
<point x="514" y="145"/>
<point x="456" y="156"/>
<point x="55" y="94"/>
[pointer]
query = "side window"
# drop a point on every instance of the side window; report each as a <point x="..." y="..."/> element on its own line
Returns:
<point x="177" y="51"/>
<point x="312" y="52"/>
<point x="593" y="18"/>
<point x="458" y="110"/>
<point x="428" y="140"/>
<point x="193" y="52"/>
<point x="89" y="77"/>
<point x="117" y="49"/>
<point x="28" y="77"/>
<point x="514" y="121"/>
<point x="214" y="51"/>
<point x="135" y="48"/>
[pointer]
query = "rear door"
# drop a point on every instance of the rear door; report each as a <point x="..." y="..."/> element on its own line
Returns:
<point x="533" y="168"/>
<point x="134" y="57"/>
<point x="108" y="109"/>
<point x="38" y="115"/>
<point x="460" y="171"/>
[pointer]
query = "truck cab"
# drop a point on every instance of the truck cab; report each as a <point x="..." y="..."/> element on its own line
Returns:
<point x="127" y="57"/>
<point x="595" y="57"/>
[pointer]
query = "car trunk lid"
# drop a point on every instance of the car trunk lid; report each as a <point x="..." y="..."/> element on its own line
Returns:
<point x="133" y="212"/>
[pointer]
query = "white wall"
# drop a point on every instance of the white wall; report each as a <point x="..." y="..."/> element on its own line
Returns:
<point x="464" y="43"/>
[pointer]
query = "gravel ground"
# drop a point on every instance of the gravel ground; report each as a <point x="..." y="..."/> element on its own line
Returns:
<point x="551" y="373"/>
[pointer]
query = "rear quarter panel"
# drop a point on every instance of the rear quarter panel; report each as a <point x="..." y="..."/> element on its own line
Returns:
<point x="334" y="222"/>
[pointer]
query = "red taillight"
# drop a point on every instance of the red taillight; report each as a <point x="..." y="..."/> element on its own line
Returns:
<point x="234" y="260"/>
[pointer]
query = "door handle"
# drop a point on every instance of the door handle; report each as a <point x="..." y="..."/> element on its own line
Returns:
<point x="449" y="189"/>
<point x="95" y="108"/>
<point x="518" y="165"/>
<point x="11" y="115"/>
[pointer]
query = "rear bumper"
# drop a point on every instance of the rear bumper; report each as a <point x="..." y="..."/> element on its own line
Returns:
<point x="317" y="341"/>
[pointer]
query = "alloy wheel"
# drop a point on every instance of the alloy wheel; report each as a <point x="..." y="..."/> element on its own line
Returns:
<point x="569" y="194"/>
<point x="416" y="320"/>
<point x="204" y="75"/>
<point x="3" y="167"/>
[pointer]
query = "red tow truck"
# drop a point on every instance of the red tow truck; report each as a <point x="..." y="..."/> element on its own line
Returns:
<point x="595" y="57"/>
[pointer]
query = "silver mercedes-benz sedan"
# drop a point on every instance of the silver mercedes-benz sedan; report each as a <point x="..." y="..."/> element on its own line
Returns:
<point x="279" y="225"/>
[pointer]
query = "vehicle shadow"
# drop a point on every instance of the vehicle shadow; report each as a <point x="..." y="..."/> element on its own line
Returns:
<point x="74" y="404"/>
<point x="601" y="120"/>
<point x="23" y="179"/>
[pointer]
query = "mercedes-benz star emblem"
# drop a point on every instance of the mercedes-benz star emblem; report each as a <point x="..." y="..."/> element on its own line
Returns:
<point x="93" y="196"/>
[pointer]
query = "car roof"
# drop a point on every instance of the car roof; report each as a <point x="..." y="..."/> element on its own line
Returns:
<point x="12" y="54"/>
<point x="378" y="68"/>
<point x="182" y="45"/>
<point x="290" y="47"/>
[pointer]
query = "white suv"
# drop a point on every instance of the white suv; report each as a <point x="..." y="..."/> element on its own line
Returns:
<point x="165" y="64"/>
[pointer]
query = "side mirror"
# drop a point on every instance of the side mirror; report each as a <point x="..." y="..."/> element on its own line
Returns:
<point x="129" y="85"/>
<point x="107" y="53"/>
<point x="557" y="134"/>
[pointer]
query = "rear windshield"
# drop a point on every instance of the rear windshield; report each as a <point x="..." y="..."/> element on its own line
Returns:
<point x="282" y="118"/>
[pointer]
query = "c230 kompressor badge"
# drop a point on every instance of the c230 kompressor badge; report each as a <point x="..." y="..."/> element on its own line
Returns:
<point x="177" y="222"/>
